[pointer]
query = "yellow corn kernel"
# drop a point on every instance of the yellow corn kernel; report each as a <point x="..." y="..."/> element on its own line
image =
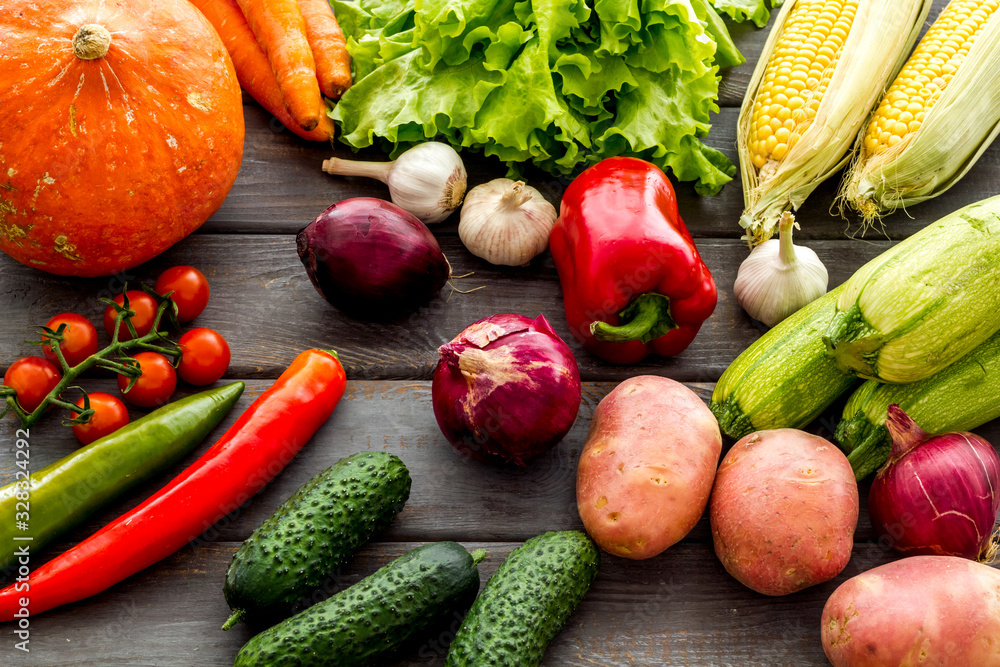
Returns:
<point x="927" y="73"/>
<point x="798" y="74"/>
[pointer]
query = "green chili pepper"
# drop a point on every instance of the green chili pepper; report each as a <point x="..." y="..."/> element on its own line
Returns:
<point x="66" y="492"/>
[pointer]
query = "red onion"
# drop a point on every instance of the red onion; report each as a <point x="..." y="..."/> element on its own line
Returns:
<point x="372" y="259"/>
<point x="507" y="389"/>
<point x="937" y="494"/>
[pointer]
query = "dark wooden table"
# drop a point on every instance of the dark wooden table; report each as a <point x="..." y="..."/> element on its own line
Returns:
<point x="680" y="608"/>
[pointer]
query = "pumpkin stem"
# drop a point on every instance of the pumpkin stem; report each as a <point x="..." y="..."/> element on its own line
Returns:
<point x="91" y="42"/>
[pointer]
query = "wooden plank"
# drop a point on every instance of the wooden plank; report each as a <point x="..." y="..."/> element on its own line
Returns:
<point x="680" y="608"/>
<point x="281" y="188"/>
<point x="264" y="304"/>
<point x="452" y="497"/>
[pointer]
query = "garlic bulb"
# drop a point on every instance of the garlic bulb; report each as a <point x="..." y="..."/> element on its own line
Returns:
<point x="506" y="222"/>
<point x="778" y="278"/>
<point x="428" y="180"/>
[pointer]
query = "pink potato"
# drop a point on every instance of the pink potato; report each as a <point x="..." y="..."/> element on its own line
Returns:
<point x="783" y="511"/>
<point x="646" y="471"/>
<point x="925" y="610"/>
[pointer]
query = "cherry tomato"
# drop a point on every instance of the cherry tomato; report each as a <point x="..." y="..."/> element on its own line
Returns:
<point x="145" y="313"/>
<point x="109" y="415"/>
<point x="155" y="386"/>
<point x="32" y="378"/>
<point x="204" y="357"/>
<point x="79" y="338"/>
<point x="190" y="290"/>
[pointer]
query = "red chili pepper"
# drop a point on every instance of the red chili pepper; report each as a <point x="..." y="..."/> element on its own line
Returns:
<point x="632" y="279"/>
<point x="254" y="449"/>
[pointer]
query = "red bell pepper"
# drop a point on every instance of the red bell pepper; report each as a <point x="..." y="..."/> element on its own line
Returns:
<point x="632" y="279"/>
<point x="254" y="449"/>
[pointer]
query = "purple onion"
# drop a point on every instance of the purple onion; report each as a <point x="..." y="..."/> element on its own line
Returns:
<point x="937" y="494"/>
<point x="506" y="389"/>
<point x="372" y="259"/>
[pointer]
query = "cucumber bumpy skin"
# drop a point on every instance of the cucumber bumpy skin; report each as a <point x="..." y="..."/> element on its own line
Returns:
<point x="526" y="603"/>
<point x="374" y="616"/>
<point x="313" y="533"/>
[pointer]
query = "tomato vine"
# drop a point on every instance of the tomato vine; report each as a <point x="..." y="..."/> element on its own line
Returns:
<point x="113" y="358"/>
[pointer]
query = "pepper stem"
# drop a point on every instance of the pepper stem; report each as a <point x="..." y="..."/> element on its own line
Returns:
<point x="645" y="319"/>
<point x="904" y="431"/>
<point x="478" y="555"/>
<point x="234" y="619"/>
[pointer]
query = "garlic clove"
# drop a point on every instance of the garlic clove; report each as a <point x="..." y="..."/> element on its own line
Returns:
<point x="778" y="278"/>
<point x="428" y="180"/>
<point x="506" y="222"/>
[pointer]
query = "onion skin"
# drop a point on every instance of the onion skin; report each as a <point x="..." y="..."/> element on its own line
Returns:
<point x="372" y="259"/>
<point x="925" y="610"/>
<point x="937" y="494"/>
<point x="506" y="389"/>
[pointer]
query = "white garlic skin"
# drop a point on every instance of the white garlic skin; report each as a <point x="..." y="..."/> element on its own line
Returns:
<point x="779" y="278"/>
<point x="506" y="222"/>
<point x="429" y="181"/>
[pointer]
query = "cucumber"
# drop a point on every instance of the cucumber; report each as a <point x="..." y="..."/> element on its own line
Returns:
<point x="785" y="379"/>
<point x="526" y="603"/>
<point x="375" y="616"/>
<point x="313" y="533"/>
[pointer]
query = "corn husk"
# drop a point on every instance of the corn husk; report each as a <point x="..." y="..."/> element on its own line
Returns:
<point x="879" y="42"/>
<point x="955" y="133"/>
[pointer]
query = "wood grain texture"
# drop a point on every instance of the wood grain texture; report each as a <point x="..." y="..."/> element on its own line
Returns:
<point x="265" y="306"/>
<point x="280" y="189"/>
<point x="680" y="608"/>
<point x="453" y="497"/>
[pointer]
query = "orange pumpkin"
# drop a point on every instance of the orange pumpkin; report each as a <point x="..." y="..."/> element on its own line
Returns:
<point x="121" y="130"/>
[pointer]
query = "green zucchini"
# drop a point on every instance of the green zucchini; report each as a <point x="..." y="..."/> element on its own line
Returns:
<point x="526" y="603"/>
<point x="959" y="398"/>
<point x="785" y="379"/>
<point x="313" y="533"/>
<point x="375" y="616"/>
<point x="68" y="491"/>
<point x="924" y="303"/>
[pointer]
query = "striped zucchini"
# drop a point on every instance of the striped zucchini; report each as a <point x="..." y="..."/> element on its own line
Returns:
<point x="785" y="379"/>
<point x="922" y="304"/>
<point x="961" y="397"/>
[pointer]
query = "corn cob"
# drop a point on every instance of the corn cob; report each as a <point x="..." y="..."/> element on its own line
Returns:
<point x="785" y="379"/>
<point x="924" y="303"/>
<point x="959" y="398"/>
<point x="824" y="67"/>
<point x="937" y="118"/>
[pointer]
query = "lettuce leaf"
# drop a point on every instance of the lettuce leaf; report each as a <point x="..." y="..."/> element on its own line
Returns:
<point x="559" y="83"/>
<point x="741" y="10"/>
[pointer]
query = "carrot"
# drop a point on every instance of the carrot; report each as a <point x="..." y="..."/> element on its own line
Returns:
<point x="252" y="68"/>
<point x="333" y="62"/>
<point x="281" y="32"/>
